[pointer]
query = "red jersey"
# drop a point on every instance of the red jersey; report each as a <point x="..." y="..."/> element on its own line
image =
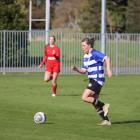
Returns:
<point x="52" y="58"/>
<point x="51" y="54"/>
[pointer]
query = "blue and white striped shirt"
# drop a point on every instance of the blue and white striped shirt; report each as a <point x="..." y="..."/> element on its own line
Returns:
<point x="93" y="63"/>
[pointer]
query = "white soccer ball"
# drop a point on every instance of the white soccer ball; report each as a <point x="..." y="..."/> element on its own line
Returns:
<point x="40" y="117"/>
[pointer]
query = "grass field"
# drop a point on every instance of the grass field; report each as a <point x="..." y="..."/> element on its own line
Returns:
<point x="68" y="118"/>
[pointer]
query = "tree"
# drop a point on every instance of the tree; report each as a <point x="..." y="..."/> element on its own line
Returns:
<point x="67" y="14"/>
<point x="116" y="19"/>
<point x="90" y="19"/>
<point x="133" y="16"/>
<point x="38" y="12"/>
<point x="12" y="17"/>
<point x="13" y="14"/>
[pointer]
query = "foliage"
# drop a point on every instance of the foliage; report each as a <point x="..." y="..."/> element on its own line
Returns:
<point x="12" y="14"/>
<point x="116" y="16"/>
<point x="79" y="15"/>
<point x="13" y="49"/>
<point x="67" y="14"/>
<point x="90" y="18"/>
<point x="133" y="16"/>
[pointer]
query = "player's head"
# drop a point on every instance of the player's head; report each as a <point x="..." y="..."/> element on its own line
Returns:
<point x="52" y="40"/>
<point x="87" y="44"/>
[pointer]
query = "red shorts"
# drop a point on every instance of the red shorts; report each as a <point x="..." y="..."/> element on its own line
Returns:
<point x="53" y="67"/>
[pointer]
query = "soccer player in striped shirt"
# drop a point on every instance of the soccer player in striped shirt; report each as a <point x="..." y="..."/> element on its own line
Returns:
<point x="93" y="64"/>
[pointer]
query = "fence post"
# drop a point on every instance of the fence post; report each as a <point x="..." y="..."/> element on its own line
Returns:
<point x="4" y="51"/>
<point x="116" y="54"/>
<point x="61" y="52"/>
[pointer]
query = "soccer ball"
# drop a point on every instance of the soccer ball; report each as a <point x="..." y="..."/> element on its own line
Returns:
<point x="40" y="117"/>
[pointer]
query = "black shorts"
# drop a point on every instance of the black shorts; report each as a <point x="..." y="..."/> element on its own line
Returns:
<point x="94" y="86"/>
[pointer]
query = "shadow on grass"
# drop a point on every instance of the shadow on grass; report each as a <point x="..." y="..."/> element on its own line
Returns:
<point x="126" y="122"/>
<point x="49" y="123"/>
<point x="69" y="95"/>
<point x="46" y="123"/>
<point x="102" y="94"/>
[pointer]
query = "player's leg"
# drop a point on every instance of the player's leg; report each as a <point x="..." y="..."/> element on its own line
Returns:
<point x="87" y="96"/>
<point x="47" y="76"/>
<point x="56" y="70"/>
<point x="54" y="83"/>
<point x="94" y="89"/>
<point x="99" y="105"/>
<point x="91" y="97"/>
<point x="48" y="72"/>
<point x="99" y="108"/>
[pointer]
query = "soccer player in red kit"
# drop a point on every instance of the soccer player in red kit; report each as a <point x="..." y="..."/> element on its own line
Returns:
<point x="52" y="60"/>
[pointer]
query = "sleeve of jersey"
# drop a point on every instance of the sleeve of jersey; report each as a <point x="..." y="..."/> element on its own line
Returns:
<point x="44" y="58"/>
<point x="100" y="56"/>
<point x="57" y="55"/>
<point x="84" y="67"/>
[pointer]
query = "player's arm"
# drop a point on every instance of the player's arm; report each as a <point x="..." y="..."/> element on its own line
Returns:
<point x="108" y="66"/>
<point x="79" y="70"/>
<point x="43" y="60"/>
<point x="57" y="54"/>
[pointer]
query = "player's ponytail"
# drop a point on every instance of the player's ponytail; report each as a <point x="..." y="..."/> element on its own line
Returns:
<point x="89" y="41"/>
<point x="92" y="40"/>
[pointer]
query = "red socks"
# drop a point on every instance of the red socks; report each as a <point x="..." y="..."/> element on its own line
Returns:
<point x="51" y="77"/>
<point x="54" y="88"/>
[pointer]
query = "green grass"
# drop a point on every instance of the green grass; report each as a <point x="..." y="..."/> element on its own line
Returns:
<point x="68" y="118"/>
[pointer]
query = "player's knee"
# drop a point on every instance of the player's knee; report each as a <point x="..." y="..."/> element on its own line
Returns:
<point x="46" y="80"/>
<point x="83" y="97"/>
<point x="53" y="83"/>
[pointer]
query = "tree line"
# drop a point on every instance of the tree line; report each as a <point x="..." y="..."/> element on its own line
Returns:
<point x="79" y="15"/>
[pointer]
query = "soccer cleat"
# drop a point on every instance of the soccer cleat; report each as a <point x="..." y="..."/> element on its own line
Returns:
<point x="105" y="109"/>
<point x="53" y="95"/>
<point x="105" y="122"/>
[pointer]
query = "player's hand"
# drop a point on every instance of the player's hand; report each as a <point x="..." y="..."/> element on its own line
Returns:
<point x="109" y="73"/>
<point x="40" y="66"/>
<point x="74" y="68"/>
